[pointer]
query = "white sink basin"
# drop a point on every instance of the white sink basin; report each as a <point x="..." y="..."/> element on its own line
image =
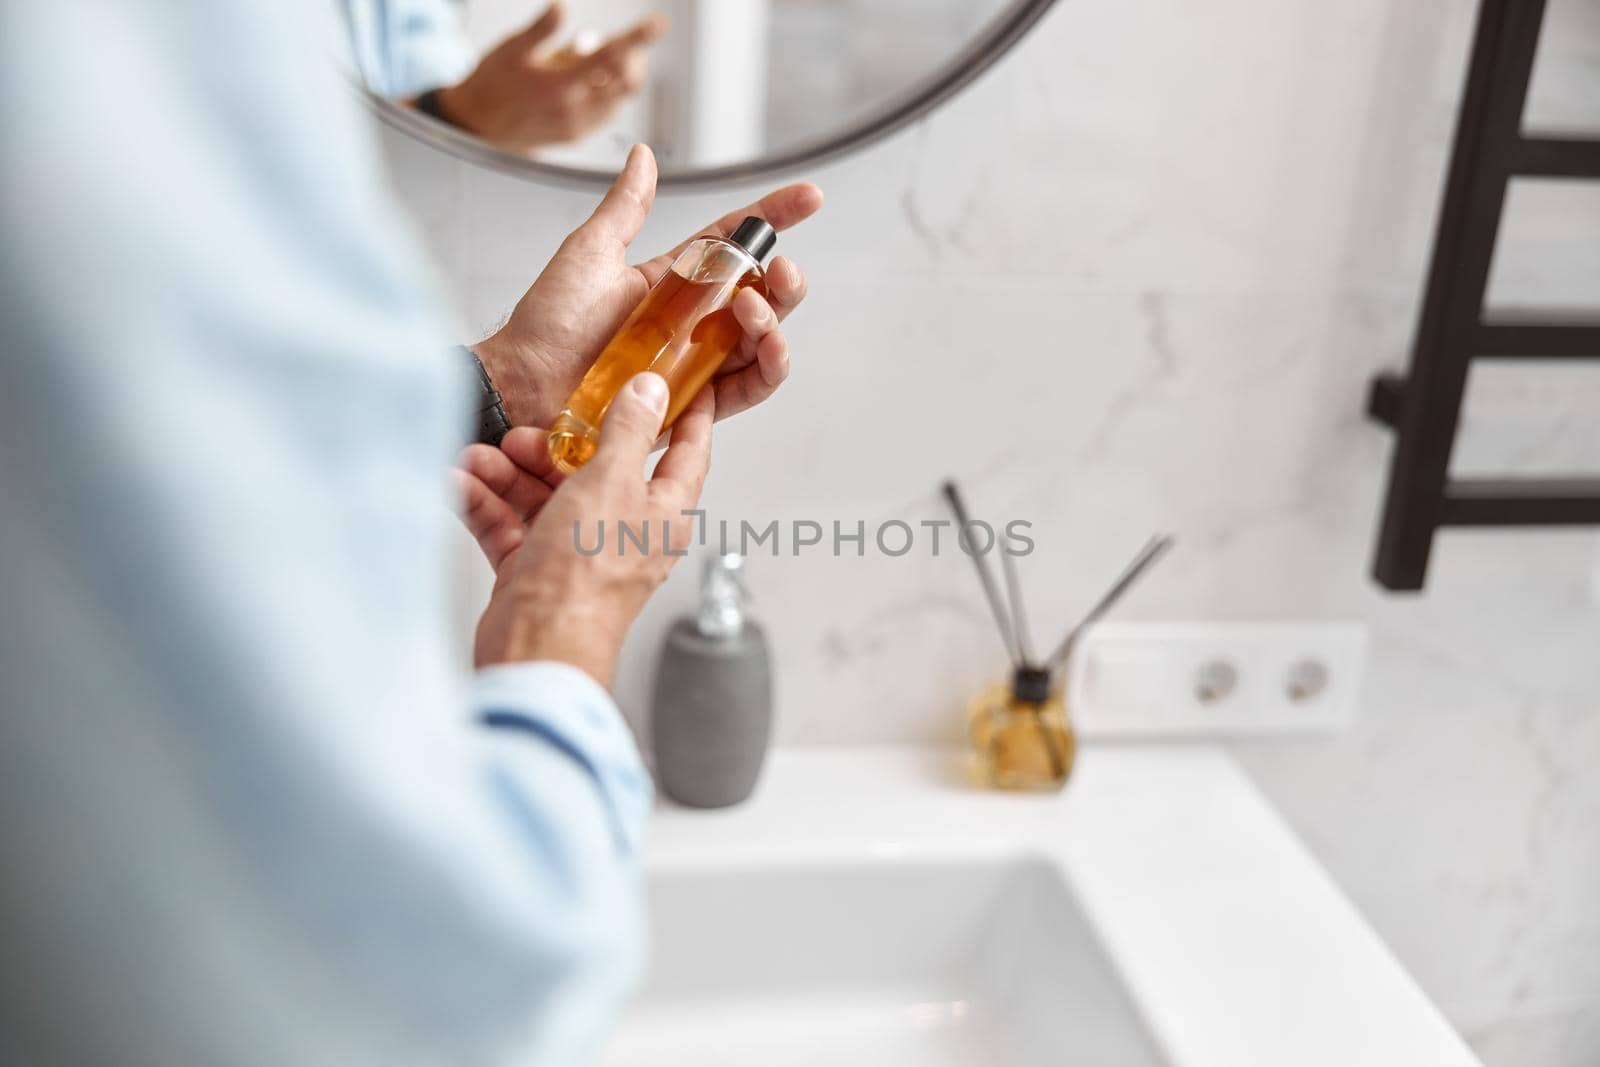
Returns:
<point x="878" y="964"/>
<point x="865" y="908"/>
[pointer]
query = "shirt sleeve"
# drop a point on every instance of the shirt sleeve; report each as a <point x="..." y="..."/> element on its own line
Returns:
<point x="254" y="807"/>
<point x="562" y="708"/>
<point x="406" y="47"/>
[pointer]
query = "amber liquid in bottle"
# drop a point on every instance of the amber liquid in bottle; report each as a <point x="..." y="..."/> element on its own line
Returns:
<point x="1018" y="744"/>
<point x="682" y="330"/>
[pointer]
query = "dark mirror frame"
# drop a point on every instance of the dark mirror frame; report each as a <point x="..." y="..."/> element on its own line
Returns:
<point x="997" y="38"/>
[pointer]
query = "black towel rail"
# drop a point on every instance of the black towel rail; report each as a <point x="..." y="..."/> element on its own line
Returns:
<point x="1423" y="406"/>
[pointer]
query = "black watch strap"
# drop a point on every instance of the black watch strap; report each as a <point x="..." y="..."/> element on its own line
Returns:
<point x="492" y="421"/>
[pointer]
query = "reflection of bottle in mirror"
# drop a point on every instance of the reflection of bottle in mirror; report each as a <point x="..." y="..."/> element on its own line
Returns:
<point x="683" y="330"/>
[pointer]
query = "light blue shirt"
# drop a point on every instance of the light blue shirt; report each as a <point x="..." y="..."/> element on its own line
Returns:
<point x="253" y="809"/>
<point x="405" y="47"/>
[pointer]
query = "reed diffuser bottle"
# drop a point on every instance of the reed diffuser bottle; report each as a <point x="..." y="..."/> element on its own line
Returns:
<point x="682" y="330"/>
<point x="1021" y="736"/>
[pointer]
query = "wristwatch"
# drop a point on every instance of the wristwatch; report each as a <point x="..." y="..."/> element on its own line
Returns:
<point x="492" y="421"/>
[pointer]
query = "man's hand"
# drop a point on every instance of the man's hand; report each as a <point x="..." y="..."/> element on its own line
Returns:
<point x="503" y="489"/>
<point x="518" y="100"/>
<point x="578" y="302"/>
<point x="553" y="602"/>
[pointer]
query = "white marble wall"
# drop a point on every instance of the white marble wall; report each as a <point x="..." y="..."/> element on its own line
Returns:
<point x="1136" y="279"/>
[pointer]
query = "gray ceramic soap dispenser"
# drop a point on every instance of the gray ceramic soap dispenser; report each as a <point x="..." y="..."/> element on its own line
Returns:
<point x="713" y="700"/>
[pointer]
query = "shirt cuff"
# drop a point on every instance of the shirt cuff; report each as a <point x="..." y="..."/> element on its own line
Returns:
<point x="566" y="709"/>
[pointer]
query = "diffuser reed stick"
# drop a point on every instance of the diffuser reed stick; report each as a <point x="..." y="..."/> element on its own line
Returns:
<point x="1153" y="550"/>
<point x="1019" y="614"/>
<point x="952" y="493"/>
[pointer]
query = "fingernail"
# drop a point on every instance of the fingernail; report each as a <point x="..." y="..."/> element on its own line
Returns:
<point x="763" y="310"/>
<point x="652" y="390"/>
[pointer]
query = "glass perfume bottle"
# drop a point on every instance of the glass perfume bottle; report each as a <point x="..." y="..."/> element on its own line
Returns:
<point x="682" y="330"/>
<point x="1021" y="737"/>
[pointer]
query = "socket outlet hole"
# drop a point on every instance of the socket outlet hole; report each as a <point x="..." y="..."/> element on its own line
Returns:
<point x="1215" y="680"/>
<point x="1308" y="679"/>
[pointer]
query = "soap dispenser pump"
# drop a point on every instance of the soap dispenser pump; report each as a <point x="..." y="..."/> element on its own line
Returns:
<point x="712" y="715"/>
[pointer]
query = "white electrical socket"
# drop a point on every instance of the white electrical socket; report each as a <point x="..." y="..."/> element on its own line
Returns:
<point x="1216" y="679"/>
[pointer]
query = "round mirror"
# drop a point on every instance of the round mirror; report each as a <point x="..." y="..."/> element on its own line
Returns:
<point x="722" y="90"/>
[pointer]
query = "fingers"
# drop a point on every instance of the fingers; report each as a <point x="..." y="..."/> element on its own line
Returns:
<point x="622" y="211"/>
<point x="519" y="488"/>
<point x="760" y="325"/>
<point x="761" y="363"/>
<point x="752" y="312"/>
<point x="681" y="473"/>
<point x="631" y="426"/>
<point x="542" y="28"/>
<point x="617" y="67"/>
<point x="772" y="360"/>
<point x="491" y="521"/>
<point x="529" y="448"/>
<point x="786" y="285"/>
<point x="641" y="34"/>
<point x="783" y="208"/>
<point x="749" y="386"/>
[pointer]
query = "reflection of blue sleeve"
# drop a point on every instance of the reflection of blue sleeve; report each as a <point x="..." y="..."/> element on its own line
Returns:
<point x="405" y="47"/>
<point x="254" y="810"/>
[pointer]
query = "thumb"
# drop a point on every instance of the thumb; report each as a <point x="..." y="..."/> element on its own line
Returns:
<point x="548" y="22"/>
<point x="632" y="424"/>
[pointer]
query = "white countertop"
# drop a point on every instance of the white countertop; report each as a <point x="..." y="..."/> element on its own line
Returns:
<point x="1235" y="945"/>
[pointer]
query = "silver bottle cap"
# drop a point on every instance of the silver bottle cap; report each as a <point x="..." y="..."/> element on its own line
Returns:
<point x="722" y="596"/>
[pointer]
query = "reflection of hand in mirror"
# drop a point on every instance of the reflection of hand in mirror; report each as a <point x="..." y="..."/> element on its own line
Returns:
<point x="580" y="299"/>
<point x="519" y="98"/>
